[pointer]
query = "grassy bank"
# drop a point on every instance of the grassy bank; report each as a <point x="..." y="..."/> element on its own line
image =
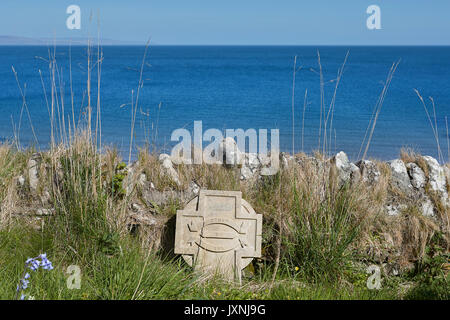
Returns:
<point x="318" y="236"/>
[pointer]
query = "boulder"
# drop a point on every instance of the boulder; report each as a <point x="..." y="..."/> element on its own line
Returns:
<point x="252" y="161"/>
<point x="232" y="156"/>
<point x="355" y="173"/>
<point x="284" y="160"/>
<point x="436" y="176"/>
<point x="142" y="179"/>
<point x="168" y="169"/>
<point x="33" y="171"/>
<point x="427" y="208"/>
<point x="417" y="175"/>
<point x="369" y="171"/>
<point x="399" y="176"/>
<point x="344" y="167"/>
<point x="246" y="173"/>
<point x="264" y="159"/>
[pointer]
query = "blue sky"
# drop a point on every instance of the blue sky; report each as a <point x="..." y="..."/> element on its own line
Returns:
<point x="314" y="22"/>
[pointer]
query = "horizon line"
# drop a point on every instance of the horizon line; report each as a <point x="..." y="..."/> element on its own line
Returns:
<point x="225" y="45"/>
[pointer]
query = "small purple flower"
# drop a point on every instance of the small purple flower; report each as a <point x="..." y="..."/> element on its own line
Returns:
<point x="32" y="264"/>
<point x="24" y="283"/>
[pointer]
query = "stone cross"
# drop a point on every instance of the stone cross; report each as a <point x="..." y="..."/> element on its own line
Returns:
<point x="218" y="232"/>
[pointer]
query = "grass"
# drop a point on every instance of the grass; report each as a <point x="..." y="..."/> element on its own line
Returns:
<point x="318" y="236"/>
<point x="314" y="233"/>
<point x="136" y="274"/>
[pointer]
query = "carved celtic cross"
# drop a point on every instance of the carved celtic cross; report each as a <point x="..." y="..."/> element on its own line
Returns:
<point x="218" y="232"/>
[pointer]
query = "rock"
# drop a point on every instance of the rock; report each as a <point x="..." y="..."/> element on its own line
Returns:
<point x="151" y="196"/>
<point x="246" y="173"/>
<point x="417" y="175"/>
<point x="355" y="173"/>
<point x="128" y="182"/>
<point x="194" y="188"/>
<point x="436" y="176"/>
<point x="232" y="156"/>
<point x="44" y="212"/>
<point x="264" y="159"/>
<point x="142" y="179"/>
<point x="369" y="171"/>
<point x="168" y="169"/>
<point x="163" y="156"/>
<point x="33" y="171"/>
<point x="427" y="208"/>
<point x="284" y="160"/>
<point x="144" y="219"/>
<point x="252" y="161"/>
<point x="131" y="168"/>
<point x="437" y="179"/>
<point x="343" y="166"/>
<point x="46" y="197"/>
<point x="21" y="180"/>
<point x="136" y="207"/>
<point x="447" y="173"/>
<point x="394" y="209"/>
<point x="400" y="177"/>
<point x="269" y="166"/>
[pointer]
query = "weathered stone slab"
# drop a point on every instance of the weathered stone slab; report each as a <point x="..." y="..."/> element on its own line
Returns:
<point x="218" y="232"/>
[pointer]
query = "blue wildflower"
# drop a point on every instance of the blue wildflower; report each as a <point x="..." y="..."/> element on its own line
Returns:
<point x="32" y="264"/>
<point x="24" y="283"/>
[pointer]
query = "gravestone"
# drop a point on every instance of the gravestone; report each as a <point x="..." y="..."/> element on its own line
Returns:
<point x="218" y="232"/>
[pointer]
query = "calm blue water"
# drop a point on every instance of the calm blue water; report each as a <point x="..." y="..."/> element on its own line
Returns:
<point x="238" y="87"/>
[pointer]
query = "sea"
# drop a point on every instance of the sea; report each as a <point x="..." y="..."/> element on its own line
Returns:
<point x="231" y="87"/>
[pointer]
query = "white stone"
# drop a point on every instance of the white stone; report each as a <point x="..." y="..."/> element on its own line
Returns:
<point x="168" y="168"/>
<point x="436" y="176"/>
<point x="232" y="156"/>
<point x="142" y="179"/>
<point x="246" y="173"/>
<point x="43" y="212"/>
<point x="163" y="156"/>
<point x="195" y="188"/>
<point x="264" y="159"/>
<point x="21" y="180"/>
<point x="343" y="166"/>
<point x="253" y="161"/>
<point x="369" y="171"/>
<point x="136" y="207"/>
<point x="400" y="176"/>
<point x="394" y="210"/>
<point x="355" y="173"/>
<point x="417" y="175"/>
<point x="427" y="208"/>
<point x="33" y="169"/>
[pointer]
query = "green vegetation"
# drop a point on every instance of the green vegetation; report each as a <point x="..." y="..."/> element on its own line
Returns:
<point x="312" y="231"/>
<point x="318" y="236"/>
